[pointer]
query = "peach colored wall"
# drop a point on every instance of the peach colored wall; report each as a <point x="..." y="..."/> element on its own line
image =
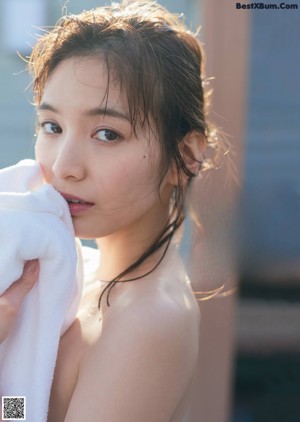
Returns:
<point x="226" y="35"/>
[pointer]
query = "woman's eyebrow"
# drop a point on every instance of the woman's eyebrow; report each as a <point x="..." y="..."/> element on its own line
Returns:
<point x="47" y="107"/>
<point x="105" y="111"/>
<point x="97" y="111"/>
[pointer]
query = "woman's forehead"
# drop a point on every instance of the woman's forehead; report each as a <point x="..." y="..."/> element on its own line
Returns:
<point x="87" y="81"/>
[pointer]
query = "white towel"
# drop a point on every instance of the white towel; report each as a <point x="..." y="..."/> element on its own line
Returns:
<point x="35" y="223"/>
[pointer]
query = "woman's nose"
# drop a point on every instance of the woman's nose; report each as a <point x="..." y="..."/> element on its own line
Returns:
<point x="69" y="161"/>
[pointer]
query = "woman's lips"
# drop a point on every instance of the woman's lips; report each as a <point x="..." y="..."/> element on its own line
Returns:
<point x="76" y="205"/>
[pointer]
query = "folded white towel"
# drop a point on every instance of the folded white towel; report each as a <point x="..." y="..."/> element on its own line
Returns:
<point x="35" y="223"/>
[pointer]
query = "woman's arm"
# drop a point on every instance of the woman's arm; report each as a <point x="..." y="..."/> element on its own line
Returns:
<point x="140" y="367"/>
<point x="11" y="300"/>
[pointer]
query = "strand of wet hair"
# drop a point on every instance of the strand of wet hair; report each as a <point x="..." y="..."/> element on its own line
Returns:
<point x="154" y="247"/>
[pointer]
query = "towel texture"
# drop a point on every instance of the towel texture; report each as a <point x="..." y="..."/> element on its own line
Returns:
<point x="35" y="223"/>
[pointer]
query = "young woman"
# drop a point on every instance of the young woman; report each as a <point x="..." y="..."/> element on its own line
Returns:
<point x="121" y="133"/>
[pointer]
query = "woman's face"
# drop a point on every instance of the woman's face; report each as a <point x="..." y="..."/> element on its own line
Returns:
<point x="91" y="155"/>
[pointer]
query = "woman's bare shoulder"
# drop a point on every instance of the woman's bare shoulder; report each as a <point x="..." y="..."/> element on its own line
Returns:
<point x="163" y="298"/>
<point x="144" y="358"/>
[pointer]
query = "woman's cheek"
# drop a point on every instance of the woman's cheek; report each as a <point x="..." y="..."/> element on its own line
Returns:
<point x="38" y="150"/>
<point x="43" y="157"/>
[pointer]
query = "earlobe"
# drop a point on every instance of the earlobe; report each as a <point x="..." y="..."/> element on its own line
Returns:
<point x="192" y="149"/>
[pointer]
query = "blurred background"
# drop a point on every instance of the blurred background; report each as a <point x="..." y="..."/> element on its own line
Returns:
<point x="249" y="367"/>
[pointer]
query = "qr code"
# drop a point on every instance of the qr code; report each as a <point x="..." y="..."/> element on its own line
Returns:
<point x="14" y="408"/>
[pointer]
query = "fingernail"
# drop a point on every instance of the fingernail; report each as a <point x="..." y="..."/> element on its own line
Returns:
<point x="32" y="266"/>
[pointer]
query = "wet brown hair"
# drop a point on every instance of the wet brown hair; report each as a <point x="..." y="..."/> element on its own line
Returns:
<point x="158" y="64"/>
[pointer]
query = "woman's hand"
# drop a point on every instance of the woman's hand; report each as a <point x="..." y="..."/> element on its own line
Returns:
<point x="12" y="298"/>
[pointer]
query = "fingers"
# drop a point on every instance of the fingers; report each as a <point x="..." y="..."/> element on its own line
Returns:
<point x="16" y="293"/>
<point x="12" y="298"/>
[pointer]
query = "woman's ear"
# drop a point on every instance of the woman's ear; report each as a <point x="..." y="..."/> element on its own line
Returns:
<point x="192" y="148"/>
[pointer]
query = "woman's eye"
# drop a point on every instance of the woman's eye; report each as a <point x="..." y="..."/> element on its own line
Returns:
<point x="50" y="128"/>
<point x="106" y="135"/>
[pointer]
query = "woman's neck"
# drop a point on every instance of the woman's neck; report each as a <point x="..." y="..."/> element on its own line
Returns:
<point x="121" y="249"/>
